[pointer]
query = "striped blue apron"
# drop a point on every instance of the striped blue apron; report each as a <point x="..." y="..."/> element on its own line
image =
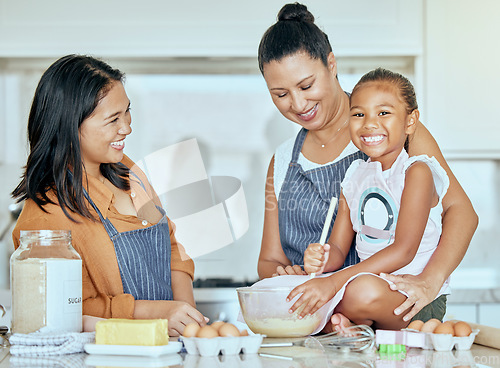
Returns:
<point x="143" y="258"/>
<point x="304" y="200"/>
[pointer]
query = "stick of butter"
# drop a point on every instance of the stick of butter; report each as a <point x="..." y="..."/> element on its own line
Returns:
<point x="146" y="332"/>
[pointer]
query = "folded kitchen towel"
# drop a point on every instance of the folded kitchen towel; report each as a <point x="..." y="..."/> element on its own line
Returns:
<point x="45" y="344"/>
<point x="64" y="361"/>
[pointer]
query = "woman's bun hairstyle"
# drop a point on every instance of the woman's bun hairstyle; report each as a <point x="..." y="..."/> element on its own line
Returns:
<point x="294" y="32"/>
<point x="295" y="12"/>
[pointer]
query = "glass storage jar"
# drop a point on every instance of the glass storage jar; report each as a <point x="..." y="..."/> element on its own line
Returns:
<point x="46" y="283"/>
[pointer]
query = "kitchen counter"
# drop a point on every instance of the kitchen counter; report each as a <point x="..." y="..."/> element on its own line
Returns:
<point x="286" y="357"/>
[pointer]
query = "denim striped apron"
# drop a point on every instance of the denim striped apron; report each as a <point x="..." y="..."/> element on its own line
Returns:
<point x="304" y="200"/>
<point x="143" y="258"/>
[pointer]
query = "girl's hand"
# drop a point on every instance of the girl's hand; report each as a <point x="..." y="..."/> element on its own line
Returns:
<point x="315" y="294"/>
<point x="315" y="258"/>
<point x="289" y="270"/>
<point x="420" y="292"/>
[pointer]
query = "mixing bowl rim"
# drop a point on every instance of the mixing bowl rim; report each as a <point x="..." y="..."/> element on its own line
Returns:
<point x="246" y="289"/>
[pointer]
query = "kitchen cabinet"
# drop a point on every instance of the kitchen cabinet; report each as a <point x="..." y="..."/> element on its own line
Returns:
<point x="489" y="314"/>
<point x="156" y="28"/>
<point x="483" y="313"/>
<point x="462" y="78"/>
<point x="476" y="306"/>
<point x="462" y="311"/>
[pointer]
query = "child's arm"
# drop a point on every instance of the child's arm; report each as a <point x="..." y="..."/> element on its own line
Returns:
<point x="331" y="257"/>
<point x="419" y="196"/>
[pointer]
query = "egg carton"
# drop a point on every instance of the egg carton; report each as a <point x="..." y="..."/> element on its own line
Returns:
<point x="222" y="345"/>
<point x="425" y="340"/>
<point x="222" y="361"/>
<point x="446" y="342"/>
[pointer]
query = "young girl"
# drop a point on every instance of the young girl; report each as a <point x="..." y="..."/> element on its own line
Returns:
<point x="392" y="203"/>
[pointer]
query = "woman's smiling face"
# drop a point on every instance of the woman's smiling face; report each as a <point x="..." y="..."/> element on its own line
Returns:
<point x="303" y="89"/>
<point x="102" y="134"/>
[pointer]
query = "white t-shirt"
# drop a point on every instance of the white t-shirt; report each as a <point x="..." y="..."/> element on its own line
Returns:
<point x="374" y="200"/>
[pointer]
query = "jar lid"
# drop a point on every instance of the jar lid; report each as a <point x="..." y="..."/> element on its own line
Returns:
<point x="46" y="234"/>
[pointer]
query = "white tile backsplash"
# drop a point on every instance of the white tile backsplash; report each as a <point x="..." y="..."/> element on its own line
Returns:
<point x="480" y="180"/>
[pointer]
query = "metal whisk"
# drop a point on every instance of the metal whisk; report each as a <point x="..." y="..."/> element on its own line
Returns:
<point x="354" y="338"/>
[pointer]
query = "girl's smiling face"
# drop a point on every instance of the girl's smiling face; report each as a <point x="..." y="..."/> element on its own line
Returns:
<point x="103" y="133"/>
<point x="303" y="89"/>
<point x="379" y="122"/>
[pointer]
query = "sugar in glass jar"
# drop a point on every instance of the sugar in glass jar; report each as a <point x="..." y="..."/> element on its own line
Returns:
<point x="46" y="283"/>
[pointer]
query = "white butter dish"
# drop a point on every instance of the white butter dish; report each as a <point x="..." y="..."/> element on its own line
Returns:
<point x="162" y="361"/>
<point x="136" y="350"/>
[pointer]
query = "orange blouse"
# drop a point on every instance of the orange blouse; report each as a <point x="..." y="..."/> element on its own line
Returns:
<point x="102" y="285"/>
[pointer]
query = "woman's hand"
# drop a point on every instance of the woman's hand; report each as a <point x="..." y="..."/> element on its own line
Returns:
<point x="89" y="322"/>
<point x="315" y="258"/>
<point x="289" y="270"/>
<point x="420" y="292"/>
<point x="178" y="313"/>
<point x="315" y="294"/>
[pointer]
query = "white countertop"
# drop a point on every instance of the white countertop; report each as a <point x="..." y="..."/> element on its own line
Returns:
<point x="289" y="357"/>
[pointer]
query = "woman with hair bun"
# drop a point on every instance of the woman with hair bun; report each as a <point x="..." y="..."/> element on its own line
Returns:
<point x="296" y="60"/>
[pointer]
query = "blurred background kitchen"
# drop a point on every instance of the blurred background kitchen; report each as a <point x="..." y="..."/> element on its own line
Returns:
<point x="192" y="73"/>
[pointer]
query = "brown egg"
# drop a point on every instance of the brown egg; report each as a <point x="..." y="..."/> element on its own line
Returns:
<point x="207" y="332"/>
<point x="217" y="325"/>
<point x="462" y="329"/>
<point x="451" y="323"/>
<point x="191" y="329"/>
<point x="430" y="325"/>
<point x="416" y="325"/>
<point x="444" y="328"/>
<point x="228" y="329"/>
<point x="243" y="333"/>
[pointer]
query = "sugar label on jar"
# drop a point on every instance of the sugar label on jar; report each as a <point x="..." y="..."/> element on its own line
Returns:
<point x="72" y="296"/>
<point x="64" y="295"/>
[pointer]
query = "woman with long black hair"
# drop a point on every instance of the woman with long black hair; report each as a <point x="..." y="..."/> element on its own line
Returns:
<point x="77" y="178"/>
